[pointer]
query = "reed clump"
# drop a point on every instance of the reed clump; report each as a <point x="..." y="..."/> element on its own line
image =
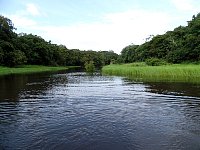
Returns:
<point x="169" y="73"/>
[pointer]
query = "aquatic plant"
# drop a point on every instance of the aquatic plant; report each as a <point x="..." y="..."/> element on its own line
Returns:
<point x="89" y="67"/>
<point x="167" y="73"/>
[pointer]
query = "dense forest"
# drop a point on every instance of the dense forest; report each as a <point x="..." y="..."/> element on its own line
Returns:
<point x="177" y="46"/>
<point x="21" y="49"/>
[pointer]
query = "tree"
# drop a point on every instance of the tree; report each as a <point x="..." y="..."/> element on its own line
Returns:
<point x="6" y="29"/>
<point x="128" y="53"/>
<point x="1" y="56"/>
<point x="15" y="58"/>
<point x="181" y="44"/>
<point x="89" y="67"/>
<point x="108" y="57"/>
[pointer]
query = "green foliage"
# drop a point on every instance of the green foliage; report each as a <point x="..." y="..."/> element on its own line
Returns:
<point x="113" y="61"/>
<point x="34" y="50"/>
<point x="181" y="44"/>
<point x="155" y="62"/>
<point x="1" y="56"/>
<point x="15" y="58"/>
<point x="108" y="57"/>
<point x="90" y="67"/>
<point x="119" y="60"/>
<point x="137" y="64"/>
<point x="176" y="56"/>
<point x="128" y="53"/>
<point x="6" y="29"/>
<point x="95" y="57"/>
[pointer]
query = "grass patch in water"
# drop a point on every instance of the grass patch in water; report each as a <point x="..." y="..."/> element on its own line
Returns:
<point x="165" y="73"/>
<point x="29" y="69"/>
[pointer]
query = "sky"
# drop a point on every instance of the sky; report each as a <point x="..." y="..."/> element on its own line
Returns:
<point x="98" y="24"/>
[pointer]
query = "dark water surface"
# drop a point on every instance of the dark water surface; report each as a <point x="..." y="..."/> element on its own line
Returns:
<point x="75" y="111"/>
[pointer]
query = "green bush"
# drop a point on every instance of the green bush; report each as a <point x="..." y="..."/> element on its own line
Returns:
<point x="15" y="58"/>
<point x="1" y="56"/>
<point x="113" y="61"/>
<point x="155" y="62"/>
<point x="138" y="64"/>
<point x="90" y="67"/>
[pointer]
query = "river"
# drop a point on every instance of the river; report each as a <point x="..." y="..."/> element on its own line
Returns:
<point x="76" y="111"/>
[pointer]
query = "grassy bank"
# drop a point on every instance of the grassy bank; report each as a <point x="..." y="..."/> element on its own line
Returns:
<point x="168" y="73"/>
<point x="29" y="69"/>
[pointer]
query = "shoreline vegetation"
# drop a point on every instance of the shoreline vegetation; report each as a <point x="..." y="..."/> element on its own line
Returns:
<point x="163" y="55"/>
<point x="188" y="73"/>
<point x="25" y="69"/>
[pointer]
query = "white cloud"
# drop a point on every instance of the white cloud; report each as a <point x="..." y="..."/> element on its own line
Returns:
<point x="32" y="9"/>
<point x="184" y="5"/>
<point x="21" y="21"/>
<point x="114" y="32"/>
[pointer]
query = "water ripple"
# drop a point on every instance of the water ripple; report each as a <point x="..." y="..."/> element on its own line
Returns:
<point x="78" y="111"/>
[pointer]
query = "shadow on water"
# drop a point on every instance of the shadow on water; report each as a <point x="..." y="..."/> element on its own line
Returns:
<point x="187" y="93"/>
<point x="12" y="85"/>
<point x="170" y="88"/>
<point x="17" y="86"/>
<point x="181" y="89"/>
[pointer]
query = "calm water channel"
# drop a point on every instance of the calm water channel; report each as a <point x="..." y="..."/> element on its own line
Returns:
<point x="75" y="111"/>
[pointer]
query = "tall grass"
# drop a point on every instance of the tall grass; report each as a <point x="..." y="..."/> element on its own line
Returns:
<point x="166" y="73"/>
<point x="29" y="69"/>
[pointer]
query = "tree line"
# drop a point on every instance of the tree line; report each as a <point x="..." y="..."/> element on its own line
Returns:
<point x="21" y="49"/>
<point x="177" y="46"/>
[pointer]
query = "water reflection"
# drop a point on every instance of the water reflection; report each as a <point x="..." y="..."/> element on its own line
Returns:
<point x="11" y="86"/>
<point x="188" y="95"/>
<point x="182" y="89"/>
<point x="78" y="111"/>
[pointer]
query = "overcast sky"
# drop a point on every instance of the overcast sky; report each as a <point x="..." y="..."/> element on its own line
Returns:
<point x="98" y="24"/>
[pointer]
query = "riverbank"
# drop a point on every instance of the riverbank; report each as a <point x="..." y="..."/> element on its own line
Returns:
<point x="165" y="73"/>
<point x="31" y="69"/>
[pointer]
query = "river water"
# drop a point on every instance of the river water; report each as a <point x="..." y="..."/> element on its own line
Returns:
<point x="75" y="111"/>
